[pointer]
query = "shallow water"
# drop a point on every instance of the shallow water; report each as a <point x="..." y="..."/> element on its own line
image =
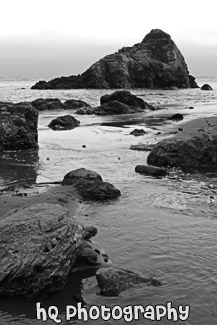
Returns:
<point x="165" y="228"/>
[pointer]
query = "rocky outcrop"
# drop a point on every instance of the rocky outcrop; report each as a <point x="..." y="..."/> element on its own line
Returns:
<point x="90" y="185"/>
<point x="42" y="104"/>
<point x="150" y="170"/>
<point x="66" y="122"/>
<point x="38" y="247"/>
<point x="113" y="281"/>
<point x="142" y="147"/>
<point x="206" y="87"/>
<point x="18" y="126"/>
<point x="156" y="62"/>
<point x="199" y="151"/>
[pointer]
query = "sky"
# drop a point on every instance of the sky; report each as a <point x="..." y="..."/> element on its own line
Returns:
<point x="52" y="38"/>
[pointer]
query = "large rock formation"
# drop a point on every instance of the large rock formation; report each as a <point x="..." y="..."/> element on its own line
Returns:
<point x="90" y="185"/>
<point x="38" y="247"/>
<point x="199" y="151"/>
<point x="156" y="62"/>
<point x="18" y="126"/>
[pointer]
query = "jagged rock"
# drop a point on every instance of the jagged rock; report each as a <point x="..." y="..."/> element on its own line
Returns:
<point x="38" y="247"/>
<point x="113" y="281"/>
<point x="90" y="185"/>
<point x="156" y="62"/>
<point x="176" y="117"/>
<point x="206" y="87"/>
<point x="75" y="104"/>
<point x="150" y="170"/>
<point x="42" y="104"/>
<point x="66" y="122"/>
<point x="138" y="132"/>
<point x="18" y="126"/>
<point x="199" y="151"/>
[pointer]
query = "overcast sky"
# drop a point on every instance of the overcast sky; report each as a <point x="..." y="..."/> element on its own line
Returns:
<point x="50" y="38"/>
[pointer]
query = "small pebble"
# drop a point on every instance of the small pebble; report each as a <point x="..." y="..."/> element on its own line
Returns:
<point x="84" y="146"/>
<point x="54" y="241"/>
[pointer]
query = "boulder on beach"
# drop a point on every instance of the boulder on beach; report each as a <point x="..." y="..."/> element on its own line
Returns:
<point x="113" y="281"/>
<point x="90" y="185"/>
<point x="121" y="102"/>
<point x="42" y="104"/>
<point x="206" y="87"/>
<point x="18" y="126"/>
<point x="150" y="170"/>
<point x="75" y="104"/>
<point x="65" y="122"/>
<point x="176" y="117"/>
<point x="156" y="62"/>
<point x="39" y="245"/>
<point x="199" y="151"/>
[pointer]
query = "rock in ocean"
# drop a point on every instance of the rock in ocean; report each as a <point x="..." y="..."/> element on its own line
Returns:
<point x="156" y="62"/>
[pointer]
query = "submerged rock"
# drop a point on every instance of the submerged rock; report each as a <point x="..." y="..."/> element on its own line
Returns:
<point x="90" y="185"/>
<point x="199" y="151"/>
<point x="206" y="87"/>
<point x="156" y="62"/>
<point x="66" y="122"/>
<point x="38" y="248"/>
<point x="150" y="170"/>
<point x="113" y="281"/>
<point x="18" y="126"/>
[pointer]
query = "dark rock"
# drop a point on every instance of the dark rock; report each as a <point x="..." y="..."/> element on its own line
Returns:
<point x="85" y="110"/>
<point x="113" y="281"/>
<point x="42" y="104"/>
<point x="90" y="254"/>
<point x="125" y="97"/>
<point x="199" y="151"/>
<point x="66" y="122"/>
<point x="75" y="104"/>
<point x="38" y="248"/>
<point x="142" y="147"/>
<point x="121" y="102"/>
<point x="150" y="170"/>
<point x="18" y="126"/>
<point x="90" y="185"/>
<point x="156" y="62"/>
<point x="206" y="87"/>
<point x="138" y="132"/>
<point x="176" y="117"/>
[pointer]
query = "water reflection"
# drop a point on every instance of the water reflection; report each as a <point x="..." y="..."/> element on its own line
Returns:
<point x="19" y="167"/>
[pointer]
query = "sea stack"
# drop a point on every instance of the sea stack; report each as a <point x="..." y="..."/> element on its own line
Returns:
<point x="156" y="62"/>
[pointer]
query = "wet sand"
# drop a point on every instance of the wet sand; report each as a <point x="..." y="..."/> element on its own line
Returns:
<point x="64" y="195"/>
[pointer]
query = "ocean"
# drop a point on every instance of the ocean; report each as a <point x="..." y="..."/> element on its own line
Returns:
<point x="165" y="228"/>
